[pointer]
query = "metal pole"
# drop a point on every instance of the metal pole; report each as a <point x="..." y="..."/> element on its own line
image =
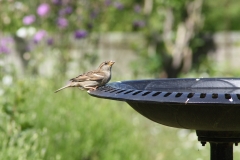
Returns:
<point x="221" y="151"/>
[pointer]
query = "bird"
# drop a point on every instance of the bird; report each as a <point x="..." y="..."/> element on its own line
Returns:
<point x="93" y="79"/>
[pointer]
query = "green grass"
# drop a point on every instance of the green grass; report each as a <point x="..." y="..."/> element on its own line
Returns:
<point x="36" y="123"/>
<point x="67" y="125"/>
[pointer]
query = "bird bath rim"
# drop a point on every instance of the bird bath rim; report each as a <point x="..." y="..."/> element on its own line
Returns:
<point x="174" y="90"/>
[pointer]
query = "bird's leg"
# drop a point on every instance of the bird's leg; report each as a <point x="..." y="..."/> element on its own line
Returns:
<point x="94" y="88"/>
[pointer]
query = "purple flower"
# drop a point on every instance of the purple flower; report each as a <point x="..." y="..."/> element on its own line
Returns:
<point x="39" y="36"/>
<point x="27" y="20"/>
<point x="62" y="22"/>
<point x="139" y="24"/>
<point x="68" y="10"/>
<point x="118" y="5"/>
<point x="137" y="8"/>
<point x="43" y="9"/>
<point x="57" y="2"/>
<point x="6" y="40"/>
<point x="4" y="49"/>
<point x="50" y="41"/>
<point x="108" y="2"/>
<point x="79" y="34"/>
<point x="4" y="45"/>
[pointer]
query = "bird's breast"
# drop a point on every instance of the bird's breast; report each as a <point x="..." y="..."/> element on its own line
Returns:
<point x="106" y="78"/>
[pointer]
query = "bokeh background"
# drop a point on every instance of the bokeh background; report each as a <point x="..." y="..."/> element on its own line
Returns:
<point x="43" y="43"/>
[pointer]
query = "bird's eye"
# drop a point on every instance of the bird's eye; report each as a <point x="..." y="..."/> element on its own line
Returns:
<point x="105" y="63"/>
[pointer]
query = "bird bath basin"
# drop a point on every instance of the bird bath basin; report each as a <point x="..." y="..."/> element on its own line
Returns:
<point x="211" y="106"/>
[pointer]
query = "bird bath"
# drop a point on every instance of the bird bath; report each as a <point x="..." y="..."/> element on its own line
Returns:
<point x="211" y="106"/>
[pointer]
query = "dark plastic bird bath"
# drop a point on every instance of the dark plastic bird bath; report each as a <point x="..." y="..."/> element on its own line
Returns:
<point x="211" y="106"/>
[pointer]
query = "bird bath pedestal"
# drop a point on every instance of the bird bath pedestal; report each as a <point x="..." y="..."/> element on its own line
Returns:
<point x="211" y="106"/>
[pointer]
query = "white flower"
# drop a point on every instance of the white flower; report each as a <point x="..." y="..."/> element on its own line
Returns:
<point x="7" y="80"/>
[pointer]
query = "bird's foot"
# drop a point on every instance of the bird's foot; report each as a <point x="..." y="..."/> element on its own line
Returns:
<point x="93" y="89"/>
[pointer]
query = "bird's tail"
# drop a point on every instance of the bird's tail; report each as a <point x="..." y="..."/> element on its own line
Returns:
<point x="62" y="88"/>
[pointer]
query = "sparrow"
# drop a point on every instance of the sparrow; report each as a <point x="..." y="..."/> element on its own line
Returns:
<point x="92" y="79"/>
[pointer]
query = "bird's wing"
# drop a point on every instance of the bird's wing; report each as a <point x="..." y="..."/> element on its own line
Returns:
<point x="89" y="76"/>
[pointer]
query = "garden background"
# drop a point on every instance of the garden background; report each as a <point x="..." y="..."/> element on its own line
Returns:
<point x="43" y="43"/>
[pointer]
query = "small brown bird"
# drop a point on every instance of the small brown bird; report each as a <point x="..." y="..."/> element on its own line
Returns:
<point x="92" y="79"/>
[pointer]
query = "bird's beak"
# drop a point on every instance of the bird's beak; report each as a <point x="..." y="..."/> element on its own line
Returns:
<point x="111" y="63"/>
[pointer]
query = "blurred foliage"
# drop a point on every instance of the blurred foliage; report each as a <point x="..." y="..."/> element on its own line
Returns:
<point x="50" y="23"/>
<point x="112" y="15"/>
<point x="37" y="124"/>
<point x="20" y="139"/>
<point x="221" y="15"/>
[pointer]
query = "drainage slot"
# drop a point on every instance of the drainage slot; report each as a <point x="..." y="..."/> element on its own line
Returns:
<point x="238" y="96"/>
<point x="228" y="96"/>
<point x="202" y="95"/>
<point x="128" y="92"/>
<point x="146" y="93"/>
<point x="113" y="90"/>
<point x="120" y="91"/>
<point x="214" y="95"/>
<point x="136" y="92"/>
<point x="167" y="94"/>
<point x="155" y="94"/>
<point x="178" y="94"/>
<point x="190" y="95"/>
